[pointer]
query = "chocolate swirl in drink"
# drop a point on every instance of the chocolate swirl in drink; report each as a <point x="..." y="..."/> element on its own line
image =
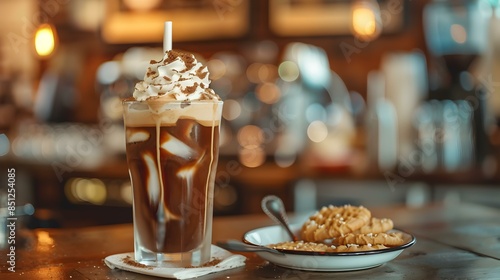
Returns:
<point x="172" y="150"/>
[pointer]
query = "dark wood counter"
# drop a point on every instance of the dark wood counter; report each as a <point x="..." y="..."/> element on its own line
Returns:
<point x="456" y="241"/>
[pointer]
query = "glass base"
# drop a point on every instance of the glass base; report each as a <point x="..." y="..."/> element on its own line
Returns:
<point x="186" y="259"/>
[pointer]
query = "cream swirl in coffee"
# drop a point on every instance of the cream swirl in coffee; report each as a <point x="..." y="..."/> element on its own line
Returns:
<point x="178" y="76"/>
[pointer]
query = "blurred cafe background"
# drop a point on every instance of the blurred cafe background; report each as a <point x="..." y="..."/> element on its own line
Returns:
<point x="370" y="102"/>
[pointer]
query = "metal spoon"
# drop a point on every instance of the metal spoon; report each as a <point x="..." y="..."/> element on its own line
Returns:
<point x="235" y="245"/>
<point x="274" y="208"/>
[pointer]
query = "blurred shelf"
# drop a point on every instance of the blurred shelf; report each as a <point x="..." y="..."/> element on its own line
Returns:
<point x="249" y="184"/>
<point x="270" y="174"/>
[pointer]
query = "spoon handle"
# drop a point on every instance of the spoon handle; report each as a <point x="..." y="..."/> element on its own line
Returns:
<point x="274" y="208"/>
<point x="234" y="245"/>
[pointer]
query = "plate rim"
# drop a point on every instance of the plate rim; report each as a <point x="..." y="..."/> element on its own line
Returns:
<point x="410" y="243"/>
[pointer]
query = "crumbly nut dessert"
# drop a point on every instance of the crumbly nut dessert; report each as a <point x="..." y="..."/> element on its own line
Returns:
<point x="359" y="248"/>
<point x="321" y="247"/>
<point x="386" y="239"/>
<point x="344" y="229"/>
<point x="332" y="221"/>
<point x="376" y="225"/>
<point x="303" y="246"/>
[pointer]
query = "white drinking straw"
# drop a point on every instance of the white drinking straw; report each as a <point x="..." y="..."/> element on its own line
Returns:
<point x="167" y="36"/>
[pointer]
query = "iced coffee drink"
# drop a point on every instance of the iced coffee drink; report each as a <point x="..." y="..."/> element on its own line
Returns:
<point x="172" y="134"/>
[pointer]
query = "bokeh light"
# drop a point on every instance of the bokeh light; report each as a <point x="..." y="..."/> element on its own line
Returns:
<point x="284" y="156"/>
<point x="231" y="109"/>
<point x="108" y="72"/>
<point x="261" y="73"/>
<point x="363" y="20"/>
<point x="366" y="20"/>
<point x="458" y="33"/>
<point x="217" y="69"/>
<point x="288" y="71"/>
<point x="141" y="5"/>
<point x="252" y="157"/>
<point x="268" y="93"/>
<point x="126" y="192"/>
<point x="4" y="145"/>
<point x="86" y="190"/>
<point x="45" y="40"/>
<point x="250" y="136"/>
<point x="225" y="196"/>
<point x="317" y="131"/>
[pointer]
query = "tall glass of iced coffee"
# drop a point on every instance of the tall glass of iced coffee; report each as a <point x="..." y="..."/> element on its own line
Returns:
<point x="172" y="135"/>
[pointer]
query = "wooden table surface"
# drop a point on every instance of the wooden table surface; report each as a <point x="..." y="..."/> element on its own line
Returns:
<point x="453" y="242"/>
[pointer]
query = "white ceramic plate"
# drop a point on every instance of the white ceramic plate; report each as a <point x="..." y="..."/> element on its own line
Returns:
<point x="315" y="261"/>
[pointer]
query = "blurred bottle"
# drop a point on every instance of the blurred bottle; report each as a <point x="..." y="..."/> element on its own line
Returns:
<point x="405" y="87"/>
<point x="381" y="124"/>
<point x="456" y="34"/>
<point x="489" y="79"/>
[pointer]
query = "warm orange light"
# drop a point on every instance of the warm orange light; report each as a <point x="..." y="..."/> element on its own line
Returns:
<point x="141" y="5"/>
<point x="250" y="136"/>
<point x="45" y="40"/>
<point x="363" y="21"/>
<point x="268" y="93"/>
<point x="45" y="241"/>
<point x="252" y="157"/>
<point x="231" y="110"/>
<point x="366" y="23"/>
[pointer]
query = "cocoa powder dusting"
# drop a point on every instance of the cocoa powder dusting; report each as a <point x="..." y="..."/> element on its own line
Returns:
<point x="186" y="57"/>
<point x="202" y="72"/>
<point x="150" y="73"/>
<point x="191" y="89"/>
<point x="213" y="262"/>
<point x="128" y="260"/>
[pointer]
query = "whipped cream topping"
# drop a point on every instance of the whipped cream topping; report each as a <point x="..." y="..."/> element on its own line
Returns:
<point x="178" y="76"/>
